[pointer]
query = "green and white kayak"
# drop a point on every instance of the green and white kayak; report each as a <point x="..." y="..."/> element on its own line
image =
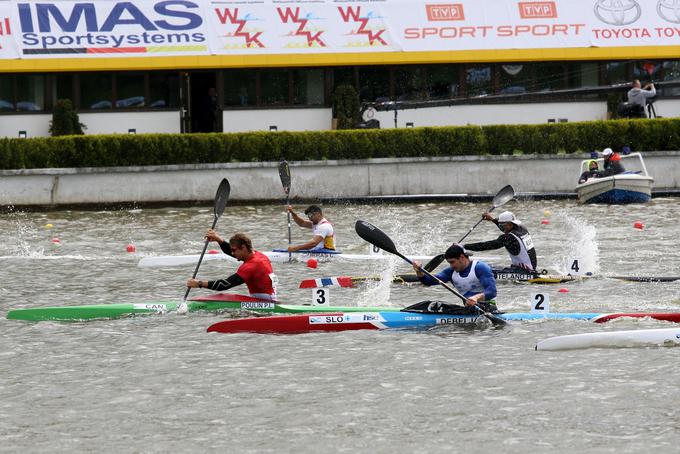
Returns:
<point x="215" y="303"/>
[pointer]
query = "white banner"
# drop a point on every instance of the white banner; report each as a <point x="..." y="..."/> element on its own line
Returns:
<point x="108" y="28"/>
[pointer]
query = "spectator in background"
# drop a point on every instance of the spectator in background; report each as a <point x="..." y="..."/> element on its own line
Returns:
<point x="612" y="164"/>
<point x="638" y="96"/>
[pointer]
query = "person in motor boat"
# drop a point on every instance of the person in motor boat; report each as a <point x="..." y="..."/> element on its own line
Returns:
<point x="323" y="239"/>
<point x="515" y="239"/>
<point x="256" y="271"/>
<point x="593" y="171"/>
<point x="612" y="164"/>
<point x="473" y="278"/>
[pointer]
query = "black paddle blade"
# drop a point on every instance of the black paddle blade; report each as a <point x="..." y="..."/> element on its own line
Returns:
<point x="284" y="173"/>
<point x="504" y="196"/>
<point x="433" y="263"/>
<point x="221" y="197"/>
<point x="375" y="236"/>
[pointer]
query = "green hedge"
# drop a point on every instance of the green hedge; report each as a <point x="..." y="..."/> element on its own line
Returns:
<point x="163" y="149"/>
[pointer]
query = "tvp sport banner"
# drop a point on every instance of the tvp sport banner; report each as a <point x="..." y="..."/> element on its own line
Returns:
<point x="110" y="28"/>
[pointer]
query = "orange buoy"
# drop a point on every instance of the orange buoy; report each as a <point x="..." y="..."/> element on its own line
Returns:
<point x="312" y="263"/>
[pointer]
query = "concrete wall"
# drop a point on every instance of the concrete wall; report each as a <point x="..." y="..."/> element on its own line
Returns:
<point x="284" y="120"/>
<point x="477" y="175"/>
<point x="37" y="125"/>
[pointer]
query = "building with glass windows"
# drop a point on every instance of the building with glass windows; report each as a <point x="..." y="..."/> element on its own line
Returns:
<point x="184" y="66"/>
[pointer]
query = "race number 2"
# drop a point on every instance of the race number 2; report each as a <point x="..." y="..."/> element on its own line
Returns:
<point x="321" y="297"/>
<point x="540" y="303"/>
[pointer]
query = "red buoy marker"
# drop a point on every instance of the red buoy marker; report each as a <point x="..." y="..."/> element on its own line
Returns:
<point x="638" y="225"/>
<point x="213" y="251"/>
<point x="56" y="241"/>
<point x="563" y="290"/>
<point x="312" y="263"/>
<point x="130" y="248"/>
<point x="545" y="222"/>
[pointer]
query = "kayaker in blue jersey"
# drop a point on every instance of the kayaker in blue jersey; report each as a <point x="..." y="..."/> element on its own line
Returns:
<point x="473" y="278"/>
<point x="515" y="239"/>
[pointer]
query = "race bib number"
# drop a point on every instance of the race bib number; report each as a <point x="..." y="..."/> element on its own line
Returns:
<point x="321" y="297"/>
<point x="528" y="242"/>
<point x="540" y="303"/>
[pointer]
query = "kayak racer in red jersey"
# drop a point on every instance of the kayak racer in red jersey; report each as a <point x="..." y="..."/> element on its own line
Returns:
<point x="256" y="271"/>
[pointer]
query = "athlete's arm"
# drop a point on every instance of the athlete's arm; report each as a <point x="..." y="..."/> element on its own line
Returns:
<point x="308" y="245"/>
<point x="225" y="284"/>
<point x="485" y="276"/>
<point x="443" y="275"/>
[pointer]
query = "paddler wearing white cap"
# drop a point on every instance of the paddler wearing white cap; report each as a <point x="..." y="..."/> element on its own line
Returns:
<point x="515" y="239"/>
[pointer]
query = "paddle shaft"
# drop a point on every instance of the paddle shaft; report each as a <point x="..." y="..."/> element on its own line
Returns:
<point x="198" y="265"/>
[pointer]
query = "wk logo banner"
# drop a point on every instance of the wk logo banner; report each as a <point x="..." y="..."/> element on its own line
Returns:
<point x="231" y="16"/>
<point x="374" y="36"/>
<point x="292" y="15"/>
<point x="5" y="28"/>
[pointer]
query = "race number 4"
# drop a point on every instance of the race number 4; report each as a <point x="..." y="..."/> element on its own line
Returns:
<point x="576" y="268"/>
<point x="321" y="297"/>
<point x="540" y="303"/>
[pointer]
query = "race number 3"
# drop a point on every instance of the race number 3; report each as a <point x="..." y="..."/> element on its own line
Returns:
<point x="540" y="303"/>
<point x="321" y="297"/>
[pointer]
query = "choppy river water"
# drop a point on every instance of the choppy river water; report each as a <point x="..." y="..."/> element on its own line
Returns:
<point x="161" y="383"/>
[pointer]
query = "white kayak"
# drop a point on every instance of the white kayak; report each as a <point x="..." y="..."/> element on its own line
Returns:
<point x="633" y="338"/>
<point x="278" y="256"/>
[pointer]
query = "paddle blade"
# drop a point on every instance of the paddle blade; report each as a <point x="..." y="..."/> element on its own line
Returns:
<point x="504" y="196"/>
<point x="284" y="173"/>
<point x="375" y="236"/>
<point x="221" y="197"/>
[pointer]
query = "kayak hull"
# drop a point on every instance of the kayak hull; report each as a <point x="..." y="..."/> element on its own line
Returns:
<point x="211" y="303"/>
<point x="633" y="338"/>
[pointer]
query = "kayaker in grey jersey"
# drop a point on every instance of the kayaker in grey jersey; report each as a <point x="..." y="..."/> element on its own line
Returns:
<point x="515" y="239"/>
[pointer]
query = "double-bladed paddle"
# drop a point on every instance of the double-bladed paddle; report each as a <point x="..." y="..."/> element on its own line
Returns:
<point x="221" y="198"/>
<point x="501" y="198"/>
<point x="378" y="238"/>
<point x="284" y="174"/>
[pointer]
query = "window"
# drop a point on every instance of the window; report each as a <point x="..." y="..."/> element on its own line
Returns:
<point x="443" y="81"/>
<point x="344" y="76"/>
<point x="580" y="75"/>
<point x="478" y="81"/>
<point x="95" y="91"/>
<point x="30" y="92"/>
<point x="410" y="83"/>
<point x="550" y="76"/>
<point x="374" y="84"/>
<point x="275" y="87"/>
<point x="64" y="87"/>
<point x="308" y="86"/>
<point x="239" y="87"/>
<point x="515" y="79"/>
<point x="6" y="92"/>
<point x="163" y="90"/>
<point x="617" y="72"/>
<point x="130" y="91"/>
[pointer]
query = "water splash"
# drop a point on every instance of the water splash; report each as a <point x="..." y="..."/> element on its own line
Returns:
<point x="583" y="246"/>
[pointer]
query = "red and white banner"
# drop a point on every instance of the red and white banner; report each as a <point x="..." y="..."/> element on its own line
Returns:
<point x="90" y="29"/>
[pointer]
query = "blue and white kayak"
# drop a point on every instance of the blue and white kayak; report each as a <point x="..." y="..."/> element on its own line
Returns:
<point x="345" y="321"/>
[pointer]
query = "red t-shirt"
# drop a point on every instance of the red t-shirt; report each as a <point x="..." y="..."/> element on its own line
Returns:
<point x="255" y="272"/>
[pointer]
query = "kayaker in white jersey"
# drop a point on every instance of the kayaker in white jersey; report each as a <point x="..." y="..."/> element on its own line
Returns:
<point x="515" y="239"/>
<point x="324" y="236"/>
<point x="473" y="278"/>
